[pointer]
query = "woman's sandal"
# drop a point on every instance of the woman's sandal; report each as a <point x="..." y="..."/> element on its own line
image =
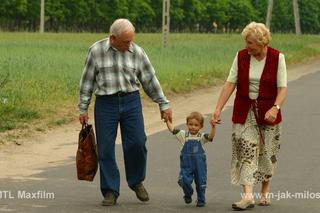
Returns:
<point x="243" y="204"/>
<point x="264" y="202"/>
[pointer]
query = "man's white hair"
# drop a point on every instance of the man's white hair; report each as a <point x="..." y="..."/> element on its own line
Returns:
<point x="120" y="26"/>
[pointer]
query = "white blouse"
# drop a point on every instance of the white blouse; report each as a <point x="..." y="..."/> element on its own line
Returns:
<point x="255" y="72"/>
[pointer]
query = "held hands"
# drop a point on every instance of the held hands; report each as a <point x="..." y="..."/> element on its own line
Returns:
<point x="83" y="118"/>
<point x="271" y="115"/>
<point x="166" y="115"/>
<point x="215" y="118"/>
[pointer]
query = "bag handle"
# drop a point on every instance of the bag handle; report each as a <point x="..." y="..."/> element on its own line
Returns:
<point x="256" y="115"/>
<point x="84" y="125"/>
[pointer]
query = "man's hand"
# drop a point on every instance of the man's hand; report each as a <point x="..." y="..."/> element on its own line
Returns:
<point x="166" y="115"/>
<point x="83" y="118"/>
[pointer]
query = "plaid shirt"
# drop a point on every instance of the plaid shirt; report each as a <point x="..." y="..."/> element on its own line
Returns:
<point x="108" y="71"/>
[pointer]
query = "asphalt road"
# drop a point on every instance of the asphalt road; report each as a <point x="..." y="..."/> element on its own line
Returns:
<point x="296" y="185"/>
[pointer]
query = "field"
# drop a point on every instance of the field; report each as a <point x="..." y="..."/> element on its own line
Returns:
<point x="43" y="71"/>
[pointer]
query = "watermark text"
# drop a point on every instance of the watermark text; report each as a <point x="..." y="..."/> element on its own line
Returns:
<point x="24" y="194"/>
<point x="280" y="195"/>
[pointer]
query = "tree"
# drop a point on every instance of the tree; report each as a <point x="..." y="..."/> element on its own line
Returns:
<point x="55" y="11"/>
<point x="185" y="15"/>
<point x="240" y="13"/>
<point x="76" y="13"/>
<point x="33" y="15"/>
<point x="217" y="12"/>
<point x="282" y="18"/>
<point x="177" y="16"/>
<point x="99" y="16"/>
<point x="261" y="10"/>
<point x="141" y="14"/>
<point x="156" y="5"/>
<point x="14" y="13"/>
<point x="193" y="11"/>
<point x="310" y="16"/>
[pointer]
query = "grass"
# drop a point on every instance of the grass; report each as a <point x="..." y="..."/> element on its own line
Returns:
<point x="44" y="70"/>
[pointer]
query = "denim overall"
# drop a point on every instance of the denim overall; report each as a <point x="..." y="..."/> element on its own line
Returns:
<point x="193" y="167"/>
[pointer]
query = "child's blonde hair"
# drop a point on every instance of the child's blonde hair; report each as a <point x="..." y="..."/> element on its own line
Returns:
<point x="197" y="116"/>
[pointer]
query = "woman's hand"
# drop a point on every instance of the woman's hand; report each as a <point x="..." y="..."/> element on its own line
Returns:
<point x="271" y="115"/>
<point x="215" y="118"/>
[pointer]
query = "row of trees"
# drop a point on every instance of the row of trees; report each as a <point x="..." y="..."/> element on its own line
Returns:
<point x="185" y="15"/>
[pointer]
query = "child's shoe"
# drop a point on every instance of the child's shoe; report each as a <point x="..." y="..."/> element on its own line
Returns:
<point x="200" y="204"/>
<point x="187" y="199"/>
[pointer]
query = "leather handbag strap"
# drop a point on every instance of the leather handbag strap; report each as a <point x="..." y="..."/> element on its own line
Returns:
<point x="84" y="125"/>
<point x="254" y="104"/>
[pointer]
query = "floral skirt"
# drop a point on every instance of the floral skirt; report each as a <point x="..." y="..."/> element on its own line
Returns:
<point x="252" y="162"/>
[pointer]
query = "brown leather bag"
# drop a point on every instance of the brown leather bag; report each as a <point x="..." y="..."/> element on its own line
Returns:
<point x="86" y="158"/>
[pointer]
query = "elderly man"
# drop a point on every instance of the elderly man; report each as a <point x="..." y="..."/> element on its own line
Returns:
<point x="114" y="69"/>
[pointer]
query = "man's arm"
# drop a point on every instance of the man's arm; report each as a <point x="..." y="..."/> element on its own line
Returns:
<point x="86" y="87"/>
<point x="152" y="87"/>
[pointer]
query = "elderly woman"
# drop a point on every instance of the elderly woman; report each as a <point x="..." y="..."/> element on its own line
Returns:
<point x="259" y="74"/>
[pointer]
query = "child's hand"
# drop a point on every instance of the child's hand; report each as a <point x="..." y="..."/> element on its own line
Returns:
<point x="215" y="118"/>
<point x="167" y="121"/>
<point x="213" y="125"/>
<point x="213" y="130"/>
<point x="169" y="125"/>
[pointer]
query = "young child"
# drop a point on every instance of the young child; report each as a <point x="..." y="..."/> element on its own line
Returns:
<point x="193" y="164"/>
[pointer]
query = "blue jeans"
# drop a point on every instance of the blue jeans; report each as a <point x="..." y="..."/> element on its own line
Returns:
<point x="127" y="111"/>
<point x="193" y="166"/>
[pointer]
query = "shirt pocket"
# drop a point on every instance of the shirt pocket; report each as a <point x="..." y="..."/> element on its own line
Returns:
<point x="130" y="74"/>
<point x="129" y="69"/>
<point x="106" y="75"/>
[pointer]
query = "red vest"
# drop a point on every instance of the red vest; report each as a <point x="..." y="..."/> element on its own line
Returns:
<point x="267" y="90"/>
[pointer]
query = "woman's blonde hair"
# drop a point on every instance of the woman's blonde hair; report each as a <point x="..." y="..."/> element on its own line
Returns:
<point x="197" y="116"/>
<point x="258" y="31"/>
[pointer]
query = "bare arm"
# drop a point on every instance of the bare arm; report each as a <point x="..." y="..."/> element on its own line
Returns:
<point x="212" y="132"/>
<point x="281" y="96"/>
<point x="169" y="125"/>
<point x="151" y="85"/>
<point x="271" y="114"/>
<point x="225" y="94"/>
